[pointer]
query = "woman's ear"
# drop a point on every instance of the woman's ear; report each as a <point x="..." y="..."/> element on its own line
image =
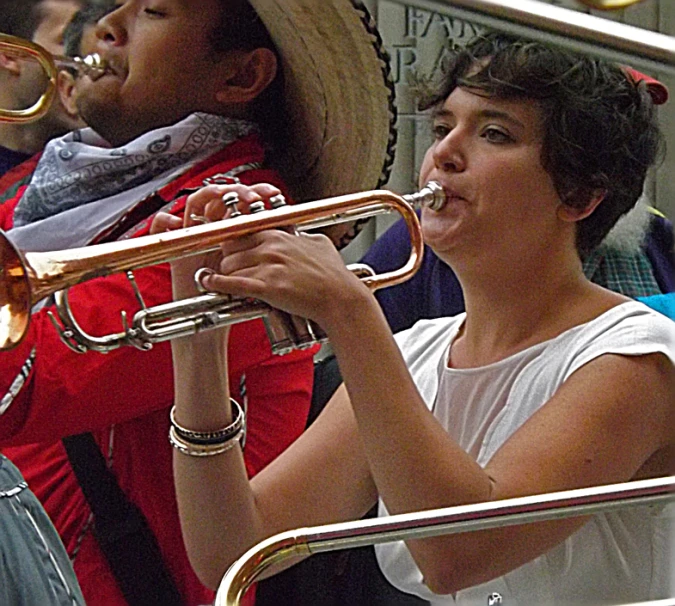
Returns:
<point x="573" y="214"/>
<point x="253" y="71"/>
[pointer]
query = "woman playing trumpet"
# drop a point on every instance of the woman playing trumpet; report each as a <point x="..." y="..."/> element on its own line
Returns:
<point x="547" y="383"/>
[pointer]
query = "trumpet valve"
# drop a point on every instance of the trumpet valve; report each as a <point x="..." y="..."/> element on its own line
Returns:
<point x="278" y="201"/>
<point x="231" y="202"/>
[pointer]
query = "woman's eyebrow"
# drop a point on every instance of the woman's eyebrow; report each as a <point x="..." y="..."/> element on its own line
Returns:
<point x="500" y="115"/>
<point x="442" y="113"/>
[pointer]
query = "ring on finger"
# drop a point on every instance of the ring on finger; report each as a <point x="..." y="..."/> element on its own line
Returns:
<point x="199" y="219"/>
<point x="200" y="274"/>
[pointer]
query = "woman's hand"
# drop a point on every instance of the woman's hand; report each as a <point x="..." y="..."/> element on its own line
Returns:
<point x="300" y="274"/>
<point x="205" y="206"/>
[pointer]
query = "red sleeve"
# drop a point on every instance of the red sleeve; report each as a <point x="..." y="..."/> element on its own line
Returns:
<point x="65" y="392"/>
<point x="278" y="392"/>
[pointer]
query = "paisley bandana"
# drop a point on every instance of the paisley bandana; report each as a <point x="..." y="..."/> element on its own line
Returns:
<point x="82" y="168"/>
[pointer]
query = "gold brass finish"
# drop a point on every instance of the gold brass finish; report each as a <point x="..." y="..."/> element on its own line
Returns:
<point x="609" y="5"/>
<point x="27" y="278"/>
<point x="419" y="525"/>
<point x="92" y="65"/>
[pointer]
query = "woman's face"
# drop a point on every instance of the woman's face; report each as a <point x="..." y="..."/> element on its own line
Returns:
<point x="487" y="156"/>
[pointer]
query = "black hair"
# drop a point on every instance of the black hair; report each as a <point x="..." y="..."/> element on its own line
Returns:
<point x="600" y="128"/>
<point x="240" y="28"/>
<point x="89" y="14"/>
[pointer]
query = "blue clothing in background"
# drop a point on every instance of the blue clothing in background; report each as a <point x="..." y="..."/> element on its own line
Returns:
<point x="664" y="304"/>
<point x="659" y="248"/>
<point x="434" y="291"/>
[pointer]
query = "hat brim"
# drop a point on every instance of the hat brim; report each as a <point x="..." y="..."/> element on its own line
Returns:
<point x="339" y="96"/>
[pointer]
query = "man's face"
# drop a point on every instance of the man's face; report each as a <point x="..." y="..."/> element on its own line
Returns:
<point x="163" y="68"/>
<point x="54" y="16"/>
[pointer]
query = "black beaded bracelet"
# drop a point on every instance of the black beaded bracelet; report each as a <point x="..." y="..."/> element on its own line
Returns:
<point x="219" y="436"/>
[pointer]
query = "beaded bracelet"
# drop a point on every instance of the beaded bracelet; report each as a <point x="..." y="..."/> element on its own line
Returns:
<point x="211" y="437"/>
<point x="203" y="450"/>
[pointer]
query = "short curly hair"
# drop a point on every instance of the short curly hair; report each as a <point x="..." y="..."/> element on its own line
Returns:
<point x="600" y="127"/>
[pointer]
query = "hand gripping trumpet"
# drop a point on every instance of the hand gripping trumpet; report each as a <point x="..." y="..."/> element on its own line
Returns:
<point x="28" y="278"/>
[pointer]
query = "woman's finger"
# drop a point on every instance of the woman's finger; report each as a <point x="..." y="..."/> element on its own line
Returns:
<point x="165" y="222"/>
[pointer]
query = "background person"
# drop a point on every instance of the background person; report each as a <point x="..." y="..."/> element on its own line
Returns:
<point x="197" y="94"/>
<point x="521" y="395"/>
<point x="21" y="82"/>
<point x="80" y="40"/>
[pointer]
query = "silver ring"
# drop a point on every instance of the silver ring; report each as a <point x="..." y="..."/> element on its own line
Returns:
<point x="199" y="219"/>
<point x="200" y="274"/>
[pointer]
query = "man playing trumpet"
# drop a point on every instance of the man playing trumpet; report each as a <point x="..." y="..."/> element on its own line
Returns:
<point x="206" y="92"/>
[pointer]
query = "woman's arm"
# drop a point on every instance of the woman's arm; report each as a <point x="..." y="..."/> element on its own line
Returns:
<point x="593" y="431"/>
<point x="321" y="478"/>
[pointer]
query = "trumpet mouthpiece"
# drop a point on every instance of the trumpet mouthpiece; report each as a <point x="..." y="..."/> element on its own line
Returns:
<point x="92" y="65"/>
<point x="432" y="196"/>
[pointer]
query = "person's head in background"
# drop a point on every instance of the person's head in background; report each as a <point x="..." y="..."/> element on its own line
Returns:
<point x="599" y="134"/>
<point x="170" y="61"/>
<point x="22" y="81"/>
<point x="79" y="40"/>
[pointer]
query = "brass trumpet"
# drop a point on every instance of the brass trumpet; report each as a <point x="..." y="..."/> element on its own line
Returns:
<point x="92" y="65"/>
<point x="28" y="278"/>
<point x="609" y="5"/>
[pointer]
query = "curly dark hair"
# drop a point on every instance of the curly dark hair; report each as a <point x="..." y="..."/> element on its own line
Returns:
<point x="600" y="128"/>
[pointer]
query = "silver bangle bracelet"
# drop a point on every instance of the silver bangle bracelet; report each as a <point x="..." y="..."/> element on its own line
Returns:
<point x="203" y="450"/>
<point x="211" y="437"/>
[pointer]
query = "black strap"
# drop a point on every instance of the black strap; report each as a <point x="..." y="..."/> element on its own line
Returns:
<point x="121" y="530"/>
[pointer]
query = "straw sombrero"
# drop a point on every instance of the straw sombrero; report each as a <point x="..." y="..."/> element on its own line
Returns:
<point x="339" y="96"/>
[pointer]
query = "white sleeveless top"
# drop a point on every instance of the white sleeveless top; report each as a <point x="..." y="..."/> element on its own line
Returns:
<point x="619" y="557"/>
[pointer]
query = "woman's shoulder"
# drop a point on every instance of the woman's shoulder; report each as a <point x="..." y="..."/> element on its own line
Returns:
<point x="426" y="336"/>
<point x="631" y="329"/>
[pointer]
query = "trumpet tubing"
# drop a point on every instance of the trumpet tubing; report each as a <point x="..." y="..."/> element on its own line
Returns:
<point x="27" y="278"/>
<point x="609" y="5"/>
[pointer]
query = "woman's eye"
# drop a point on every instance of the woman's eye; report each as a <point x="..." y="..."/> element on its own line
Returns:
<point x="496" y="135"/>
<point x="440" y="131"/>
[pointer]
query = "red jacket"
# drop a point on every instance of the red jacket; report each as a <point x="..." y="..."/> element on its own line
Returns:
<point x="123" y="398"/>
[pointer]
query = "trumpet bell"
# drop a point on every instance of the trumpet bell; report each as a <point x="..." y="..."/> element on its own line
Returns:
<point x="15" y="295"/>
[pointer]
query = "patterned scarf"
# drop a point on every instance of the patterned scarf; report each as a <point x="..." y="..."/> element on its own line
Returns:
<point x="82" y="168"/>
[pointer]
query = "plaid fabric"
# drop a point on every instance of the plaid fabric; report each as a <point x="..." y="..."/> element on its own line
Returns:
<point x="628" y="273"/>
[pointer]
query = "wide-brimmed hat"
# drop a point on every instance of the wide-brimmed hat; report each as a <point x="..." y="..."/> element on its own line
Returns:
<point x="339" y="96"/>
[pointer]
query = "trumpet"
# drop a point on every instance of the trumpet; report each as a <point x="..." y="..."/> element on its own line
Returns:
<point x="92" y="65"/>
<point x="28" y="278"/>
<point x="609" y="5"/>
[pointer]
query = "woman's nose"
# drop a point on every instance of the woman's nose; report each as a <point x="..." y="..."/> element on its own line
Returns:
<point x="449" y="152"/>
